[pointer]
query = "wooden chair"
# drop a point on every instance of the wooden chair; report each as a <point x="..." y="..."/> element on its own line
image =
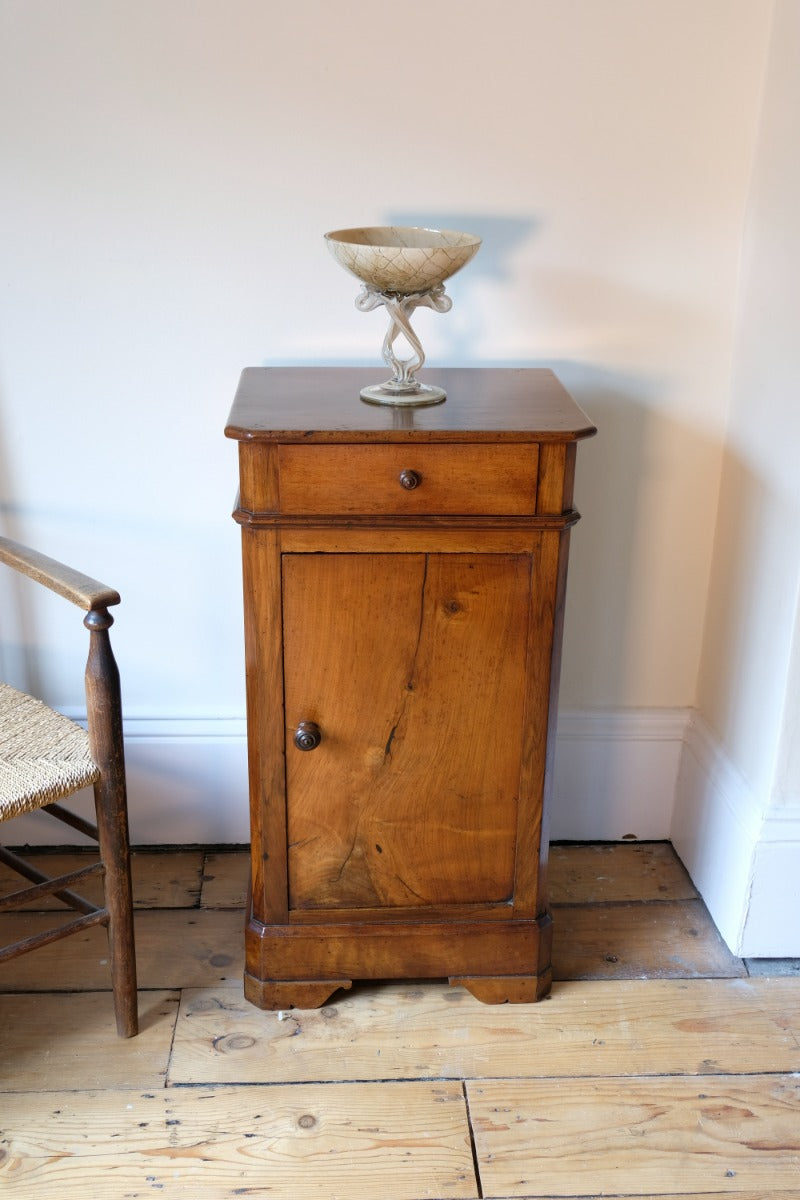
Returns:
<point x="45" y="757"/>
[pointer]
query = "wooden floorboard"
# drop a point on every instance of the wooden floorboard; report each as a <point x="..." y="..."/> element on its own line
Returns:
<point x="225" y="879"/>
<point x="175" y="948"/>
<point x="69" y="1041"/>
<point x="614" y="872"/>
<point x="658" y="1069"/>
<point x="664" y="940"/>
<point x="199" y="947"/>
<point x="159" y="880"/>
<point x="631" y="1137"/>
<point x="646" y="1027"/>
<point x="355" y="1141"/>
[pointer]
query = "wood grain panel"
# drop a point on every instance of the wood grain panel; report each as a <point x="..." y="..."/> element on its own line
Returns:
<point x="637" y="1137"/>
<point x="309" y="405"/>
<point x="264" y="671"/>
<point x="394" y="949"/>
<point x="258" y="477"/>
<point x="438" y="725"/>
<point x="366" y="479"/>
<point x="540" y="697"/>
<point x="433" y="538"/>
<point x="552" y="497"/>
<point x="291" y="1143"/>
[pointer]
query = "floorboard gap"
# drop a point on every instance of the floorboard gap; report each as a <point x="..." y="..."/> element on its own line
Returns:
<point x="473" y="1147"/>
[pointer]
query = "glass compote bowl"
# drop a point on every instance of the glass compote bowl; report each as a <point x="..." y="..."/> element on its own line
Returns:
<point x="402" y="268"/>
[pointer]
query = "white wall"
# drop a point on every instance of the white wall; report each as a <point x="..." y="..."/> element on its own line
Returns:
<point x="170" y="169"/>
<point x="749" y="682"/>
<point x="756" y="570"/>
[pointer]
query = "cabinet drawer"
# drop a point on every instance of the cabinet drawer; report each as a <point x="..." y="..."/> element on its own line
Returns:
<point x="453" y="479"/>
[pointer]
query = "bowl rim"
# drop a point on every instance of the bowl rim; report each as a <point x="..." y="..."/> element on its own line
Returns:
<point x="340" y="237"/>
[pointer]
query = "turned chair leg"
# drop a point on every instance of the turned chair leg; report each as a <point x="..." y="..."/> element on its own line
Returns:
<point x="112" y="828"/>
<point x="104" y="710"/>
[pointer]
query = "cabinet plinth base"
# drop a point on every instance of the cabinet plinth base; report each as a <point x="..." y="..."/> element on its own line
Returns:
<point x="302" y="965"/>
<point x="506" y="989"/>
<point x="278" y="994"/>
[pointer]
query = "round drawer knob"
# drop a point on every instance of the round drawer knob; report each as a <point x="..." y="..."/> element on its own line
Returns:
<point x="410" y="480"/>
<point x="308" y="735"/>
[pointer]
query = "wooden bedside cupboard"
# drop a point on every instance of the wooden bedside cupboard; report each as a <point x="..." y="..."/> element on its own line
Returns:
<point x="404" y="574"/>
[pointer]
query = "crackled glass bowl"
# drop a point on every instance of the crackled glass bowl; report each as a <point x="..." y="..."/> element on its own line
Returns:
<point x="402" y="260"/>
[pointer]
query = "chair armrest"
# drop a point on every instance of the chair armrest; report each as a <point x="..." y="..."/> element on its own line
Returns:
<point x="80" y="589"/>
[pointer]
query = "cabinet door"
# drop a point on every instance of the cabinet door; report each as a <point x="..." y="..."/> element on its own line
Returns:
<point x="413" y="666"/>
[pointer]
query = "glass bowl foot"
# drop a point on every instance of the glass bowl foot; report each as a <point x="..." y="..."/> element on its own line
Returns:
<point x="423" y="394"/>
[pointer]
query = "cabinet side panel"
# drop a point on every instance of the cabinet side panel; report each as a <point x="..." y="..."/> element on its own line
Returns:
<point x="552" y="477"/>
<point x="258" y="477"/>
<point x="265" y="724"/>
<point x="550" y="745"/>
<point x="546" y="601"/>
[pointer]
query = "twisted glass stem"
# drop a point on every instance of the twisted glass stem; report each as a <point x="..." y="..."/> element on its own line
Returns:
<point x="400" y="308"/>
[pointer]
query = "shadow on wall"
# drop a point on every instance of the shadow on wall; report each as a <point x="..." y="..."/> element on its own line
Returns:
<point x="18" y="666"/>
<point x="502" y="236"/>
<point x="611" y="467"/>
<point x="494" y="262"/>
<point x="746" y="673"/>
<point x="637" y="585"/>
<point x="603" y="550"/>
<point x="607" y="547"/>
<point x="647" y="484"/>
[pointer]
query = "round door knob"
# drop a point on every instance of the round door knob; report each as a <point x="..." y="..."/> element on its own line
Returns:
<point x="308" y="735"/>
<point x="410" y="480"/>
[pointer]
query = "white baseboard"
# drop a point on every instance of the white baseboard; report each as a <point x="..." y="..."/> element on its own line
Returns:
<point x="616" y="771"/>
<point x="743" y="858"/>
<point x="187" y="784"/>
<point x="651" y="773"/>
<point x="615" y="774"/>
<point x="772" y="928"/>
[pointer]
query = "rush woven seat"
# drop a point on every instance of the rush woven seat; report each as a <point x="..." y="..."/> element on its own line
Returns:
<point x="43" y="755"/>
<point x="44" y="758"/>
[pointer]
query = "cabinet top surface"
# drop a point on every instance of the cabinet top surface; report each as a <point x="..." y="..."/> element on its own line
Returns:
<point x="322" y="404"/>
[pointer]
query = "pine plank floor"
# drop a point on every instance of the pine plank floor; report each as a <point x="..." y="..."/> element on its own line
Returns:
<point x="661" y="1067"/>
